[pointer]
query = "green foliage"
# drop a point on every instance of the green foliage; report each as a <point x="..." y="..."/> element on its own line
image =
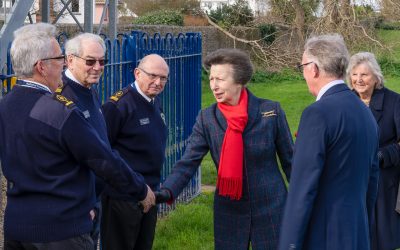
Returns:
<point x="364" y="11"/>
<point x="389" y="67"/>
<point x="267" y="32"/>
<point x="390" y="39"/>
<point x="142" y="7"/>
<point x="238" y="14"/>
<point x="388" y="25"/>
<point x="283" y="9"/>
<point x="161" y="17"/>
<point x="208" y="171"/>
<point x="272" y="77"/>
<point x="188" y="227"/>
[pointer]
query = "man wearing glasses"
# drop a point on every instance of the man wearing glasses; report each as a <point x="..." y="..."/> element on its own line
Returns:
<point x="85" y="64"/>
<point x="49" y="153"/>
<point x="334" y="181"/>
<point x="137" y="130"/>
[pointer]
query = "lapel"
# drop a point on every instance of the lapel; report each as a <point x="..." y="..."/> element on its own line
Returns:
<point x="335" y="89"/>
<point x="376" y="103"/>
<point x="252" y="112"/>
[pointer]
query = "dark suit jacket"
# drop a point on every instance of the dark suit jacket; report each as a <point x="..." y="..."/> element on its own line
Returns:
<point x="335" y="172"/>
<point x="257" y="215"/>
<point x="385" y="106"/>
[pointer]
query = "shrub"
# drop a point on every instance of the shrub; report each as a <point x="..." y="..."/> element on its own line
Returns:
<point x="267" y="32"/>
<point x="238" y="14"/>
<point x="388" y="25"/>
<point x="389" y="66"/>
<point x="287" y="74"/>
<point x="161" y="17"/>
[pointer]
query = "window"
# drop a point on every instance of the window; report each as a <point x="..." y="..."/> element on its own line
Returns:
<point x="75" y="5"/>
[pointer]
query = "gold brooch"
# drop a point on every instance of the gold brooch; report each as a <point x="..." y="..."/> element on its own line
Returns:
<point x="268" y="113"/>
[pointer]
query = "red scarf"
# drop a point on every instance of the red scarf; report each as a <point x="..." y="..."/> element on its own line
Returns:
<point x="230" y="170"/>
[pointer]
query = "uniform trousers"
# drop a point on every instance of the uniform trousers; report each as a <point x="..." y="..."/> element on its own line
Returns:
<point x="124" y="226"/>
<point x="82" y="242"/>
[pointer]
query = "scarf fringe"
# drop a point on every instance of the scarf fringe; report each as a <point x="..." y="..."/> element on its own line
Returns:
<point x="230" y="187"/>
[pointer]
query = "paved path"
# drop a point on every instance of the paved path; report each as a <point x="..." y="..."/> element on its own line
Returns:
<point x="207" y="188"/>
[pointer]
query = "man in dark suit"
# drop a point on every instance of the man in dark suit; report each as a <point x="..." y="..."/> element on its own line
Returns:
<point x="335" y="166"/>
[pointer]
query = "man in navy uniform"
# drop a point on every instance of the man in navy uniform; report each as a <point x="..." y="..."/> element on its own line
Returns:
<point x="48" y="152"/>
<point x="85" y="64"/>
<point x="137" y="130"/>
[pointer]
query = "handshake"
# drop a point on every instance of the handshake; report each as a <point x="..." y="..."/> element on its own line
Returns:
<point x="153" y="198"/>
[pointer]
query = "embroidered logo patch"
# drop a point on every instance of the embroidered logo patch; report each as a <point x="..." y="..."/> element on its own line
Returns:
<point x="144" y="121"/>
<point x="86" y="114"/>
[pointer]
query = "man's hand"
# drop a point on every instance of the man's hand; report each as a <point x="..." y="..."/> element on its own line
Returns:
<point x="163" y="195"/>
<point x="149" y="201"/>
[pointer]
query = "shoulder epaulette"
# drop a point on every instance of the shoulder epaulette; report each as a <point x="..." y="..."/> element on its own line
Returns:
<point x="59" y="89"/>
<point x="117" y="95"/>
<point x="68" y="103"/>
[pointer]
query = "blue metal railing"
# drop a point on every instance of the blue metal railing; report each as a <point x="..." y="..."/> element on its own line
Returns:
<point x="181" y="98"/>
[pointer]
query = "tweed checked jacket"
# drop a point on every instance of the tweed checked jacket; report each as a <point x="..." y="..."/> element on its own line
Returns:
<point x="256" y="217"/>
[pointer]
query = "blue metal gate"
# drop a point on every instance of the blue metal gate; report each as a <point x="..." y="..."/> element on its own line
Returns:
<point x="181" y="98"/>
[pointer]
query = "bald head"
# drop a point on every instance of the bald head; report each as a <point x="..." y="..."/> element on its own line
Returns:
<point x="154" y="61"/>
<point x="151" y="75"/>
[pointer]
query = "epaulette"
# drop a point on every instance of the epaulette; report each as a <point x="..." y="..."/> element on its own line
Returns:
<point x="117" y="95"/>
<point x="59" y="89"/>
<point x="67" y="103"/>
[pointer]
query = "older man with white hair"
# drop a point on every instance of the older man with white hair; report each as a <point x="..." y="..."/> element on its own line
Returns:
<point x="49" y="152"/>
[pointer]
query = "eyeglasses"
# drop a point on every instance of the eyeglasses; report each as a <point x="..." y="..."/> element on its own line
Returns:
<point x="92" y="62"/>
<point x="153" y="77"/>
<point x="301" y="66"/>
<point x="52" y="58"/>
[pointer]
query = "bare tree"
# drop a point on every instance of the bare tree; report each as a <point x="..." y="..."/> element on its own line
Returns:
<point x="141" y="7"/>
<point x="390" y="9"/>
<point x="299" y="21"/>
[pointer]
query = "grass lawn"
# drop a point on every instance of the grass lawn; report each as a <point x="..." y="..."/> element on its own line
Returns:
<point x="190" y="226"/>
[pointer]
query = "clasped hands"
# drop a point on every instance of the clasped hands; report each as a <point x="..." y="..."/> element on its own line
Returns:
<point x="153" y="198"/>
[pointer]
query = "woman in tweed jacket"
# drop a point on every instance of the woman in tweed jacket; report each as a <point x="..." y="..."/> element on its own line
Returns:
<point x="249" y="211"/>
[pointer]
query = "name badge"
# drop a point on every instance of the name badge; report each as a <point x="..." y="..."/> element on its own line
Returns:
<point x="86" y="114"/>
<point x="144" y="121"/>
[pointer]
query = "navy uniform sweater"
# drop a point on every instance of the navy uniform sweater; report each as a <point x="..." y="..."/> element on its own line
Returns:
<point x="87" y="101"/>
<point x="48" y="151"/>
<point x="136" y="129"/>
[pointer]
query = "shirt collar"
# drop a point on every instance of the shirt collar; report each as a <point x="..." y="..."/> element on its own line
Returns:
<point x="41" y="85"/>
<point x="141" y="93"/>
<point x="328" y="86"/>
<point x="69" y="74"/>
